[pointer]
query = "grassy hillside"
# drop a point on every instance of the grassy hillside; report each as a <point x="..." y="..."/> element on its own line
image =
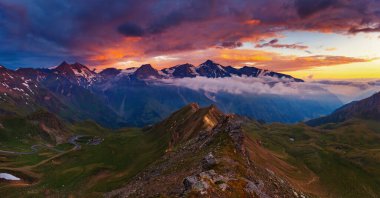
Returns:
<point x="65" y="170"/>
<point x="334" y="160"/>
<point x="20" y="133"/>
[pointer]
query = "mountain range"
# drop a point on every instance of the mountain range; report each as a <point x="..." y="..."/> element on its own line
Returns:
<point x="140" y="96"/>
<point x="368" y="108"/>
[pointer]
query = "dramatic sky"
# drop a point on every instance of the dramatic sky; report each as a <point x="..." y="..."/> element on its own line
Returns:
<point x="315" y="39"/>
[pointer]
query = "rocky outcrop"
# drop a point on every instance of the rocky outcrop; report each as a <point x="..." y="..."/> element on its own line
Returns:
<point x="205" y="181"/>
<point x="211" y="162"/>
<point x="208" y="162"/>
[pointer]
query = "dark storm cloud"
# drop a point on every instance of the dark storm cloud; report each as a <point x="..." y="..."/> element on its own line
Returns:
<point x="275" y="44"/>
<point x="230" y="44"/>
<point x="42" y="33"/>
<point x="186" y="11"/>
<point x="306" y="8"/>
<point x="130" y="29"/>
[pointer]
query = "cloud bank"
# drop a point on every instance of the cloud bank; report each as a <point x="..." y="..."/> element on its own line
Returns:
<point x="346" y="91"/>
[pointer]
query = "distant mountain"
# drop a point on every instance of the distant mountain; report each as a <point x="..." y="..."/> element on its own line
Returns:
<point x="368" y="108"/>
<point x="146" y="71"/>
<point x="64" y="90"/>
<point x="138" y="96"/>
<point x="81" y="75"/>
<point x="109" y="73"/>
<point x="210" y="69"/>
<point x="181" y="71"/>
<point x="76" y="73"/>
<point x="141" y="98"/>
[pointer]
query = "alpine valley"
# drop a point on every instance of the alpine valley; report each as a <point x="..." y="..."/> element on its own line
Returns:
<point x="71" y="132"/>
<point x="141" y="96"/>
<point x="189" y="98"/>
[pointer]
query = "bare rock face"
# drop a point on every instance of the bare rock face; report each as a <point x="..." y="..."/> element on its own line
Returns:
<point x="193" y="183"/>
<point x="208" y="162"/>
<point x="205" y="181"/>
<point x="189" y="182"/>
<point x="256" y="188"/>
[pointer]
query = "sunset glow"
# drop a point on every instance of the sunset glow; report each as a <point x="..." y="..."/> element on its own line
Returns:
<point x="190" y="98"/>
<point x="321" y="40"/>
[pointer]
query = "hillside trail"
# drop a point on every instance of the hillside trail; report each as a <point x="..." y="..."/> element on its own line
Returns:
<point x="28" y="170"/>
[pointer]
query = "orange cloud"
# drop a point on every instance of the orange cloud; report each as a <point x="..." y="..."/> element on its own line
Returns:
<point x="277" y="62"/>
<point x="252" y="22"/>
<point x="299" y="63"/>
<point x="238" y="58"/>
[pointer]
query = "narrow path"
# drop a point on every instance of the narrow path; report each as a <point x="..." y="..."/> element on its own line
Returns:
<point x="34" y="148"/>
<point x="27" y="170"/>
<point x="72" y="140"/>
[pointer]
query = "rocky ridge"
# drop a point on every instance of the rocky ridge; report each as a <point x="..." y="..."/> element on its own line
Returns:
<point x="212" y="163"/>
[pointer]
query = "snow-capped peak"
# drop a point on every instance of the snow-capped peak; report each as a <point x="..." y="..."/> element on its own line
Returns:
<point x="181" y="71"/>
<point x="212" y="70"/>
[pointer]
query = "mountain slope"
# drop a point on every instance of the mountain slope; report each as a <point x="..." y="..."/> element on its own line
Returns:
<point x="146" y="71"/>
<point x="63" y="90"/>
<point x="210" y="161"/>
<point x="38" y="128"/>
<point x="185" y="123"/>
<point x="212" y="70"/>
<point x="243" y="158"/>
<point x="338" y="160"/>
<point x="368" y="108"/>
<point x="181" y="71"/>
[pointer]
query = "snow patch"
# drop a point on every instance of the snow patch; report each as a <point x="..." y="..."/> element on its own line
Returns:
<point x="8" y="176"/>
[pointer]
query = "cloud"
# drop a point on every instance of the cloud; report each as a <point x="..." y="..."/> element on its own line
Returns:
<point x="365" y="29"/>
<point x="235" y="57"/>
<point x="230" y="44"/>
<point x="245" y="85"/>
<point x="275" y="44"/>
<point x="130" y="29"/>
<point x="346" y="91"/>
<point x="330" y="49"/>
<point x="307" y="8"/>
<point x="278" y="62"/>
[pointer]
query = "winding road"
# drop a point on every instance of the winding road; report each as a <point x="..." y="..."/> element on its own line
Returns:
<point x="72" y="140"/>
